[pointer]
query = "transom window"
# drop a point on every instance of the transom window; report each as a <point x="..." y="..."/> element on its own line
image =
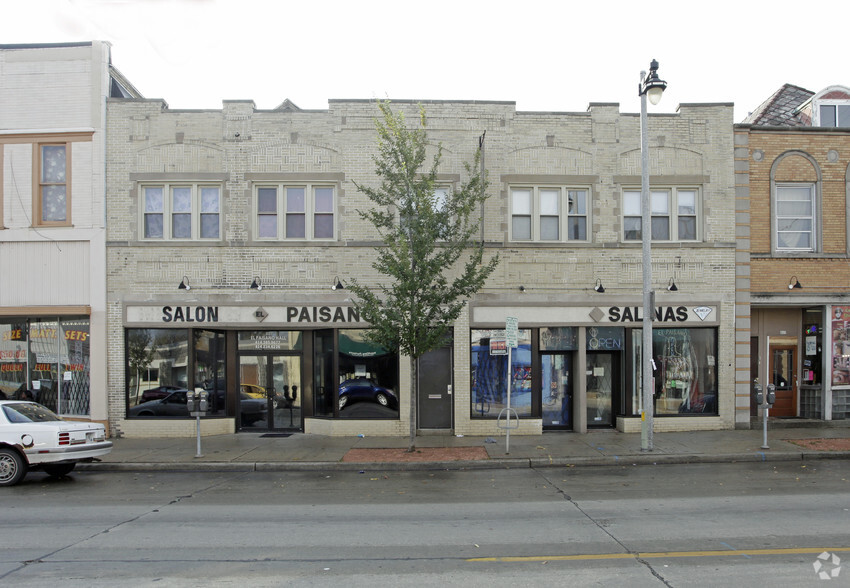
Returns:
<point x="549" y="213"/>
<point x="674" y="214"/>
<point x="181" y="211"/>
<point x="53" y="202"/>
<point x="795" y="217"/>
<point x="300" y="211"/>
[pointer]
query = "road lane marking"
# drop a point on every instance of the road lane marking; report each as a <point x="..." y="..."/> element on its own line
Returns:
<point x="661" y="554"/>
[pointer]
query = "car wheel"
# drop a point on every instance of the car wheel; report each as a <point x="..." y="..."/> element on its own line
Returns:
<point x="57" y="470"/>
<point x="382" y="399"/>
<point x="343" y="400"/>
<point x="13" y="468"/>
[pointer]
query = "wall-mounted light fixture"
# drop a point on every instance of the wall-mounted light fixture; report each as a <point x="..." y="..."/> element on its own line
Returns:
<point x="184" y="284"/>
<point x="257" y="284"/>
<point x="598" y="287"/>
<point x="794" y="283"/>
<point x="337" y="284"/>
<point x="671" y="286"/>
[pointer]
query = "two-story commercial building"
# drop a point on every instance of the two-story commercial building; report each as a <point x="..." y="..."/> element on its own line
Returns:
<point x="230" y="231"/>
<point x="53" y="330"/>
<point x="792" y="159"/>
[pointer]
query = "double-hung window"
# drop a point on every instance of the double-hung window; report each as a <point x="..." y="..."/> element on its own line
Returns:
<point x="549" y="213"/>
<point x="295" y="211"/>
<point x="674" y="214"/>
<point x="53" y="201"/>
<point x="181" y="211"/>
<point x="795" y="217"/>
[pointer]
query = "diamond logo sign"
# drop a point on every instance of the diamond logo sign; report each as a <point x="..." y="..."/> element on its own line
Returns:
<point x="597" y="314"/>
<point x="827" y="566"/>
<point x="702" y="312"/>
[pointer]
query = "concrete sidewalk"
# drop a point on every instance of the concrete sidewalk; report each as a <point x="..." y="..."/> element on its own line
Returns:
<point x="270" y="452"/>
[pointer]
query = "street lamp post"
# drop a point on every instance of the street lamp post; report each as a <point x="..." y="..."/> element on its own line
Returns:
<point x="650" y="86"/>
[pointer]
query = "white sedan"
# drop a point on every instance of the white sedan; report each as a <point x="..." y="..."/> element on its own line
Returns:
<point x="34" y="438"/>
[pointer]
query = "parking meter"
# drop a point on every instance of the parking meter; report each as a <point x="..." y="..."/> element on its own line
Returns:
<point x="759" y="393"/>
<point x="771" y="394"/>
<point x="197" y="403"/>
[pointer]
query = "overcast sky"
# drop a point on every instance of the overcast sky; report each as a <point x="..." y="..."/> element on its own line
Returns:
<point x="551" y="55"/>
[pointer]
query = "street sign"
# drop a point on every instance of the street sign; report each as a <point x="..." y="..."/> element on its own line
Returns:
<point x="511" y="330"/>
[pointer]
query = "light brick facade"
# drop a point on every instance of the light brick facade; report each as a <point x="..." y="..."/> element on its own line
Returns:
<point x="240" y="147"/>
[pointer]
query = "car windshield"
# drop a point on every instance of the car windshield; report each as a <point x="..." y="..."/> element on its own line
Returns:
<point x="28" y="412"/>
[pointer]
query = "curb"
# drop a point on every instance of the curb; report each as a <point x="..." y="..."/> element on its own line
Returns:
<point x="484" y="464"/>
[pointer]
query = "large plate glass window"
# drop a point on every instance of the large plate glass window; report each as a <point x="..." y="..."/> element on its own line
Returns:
<point x="47" y="360"/>
<point x="368" y="378"/>
<point x="686" y="376"/>
<point x="490" y="374"/>
<point x="157" y="363"/>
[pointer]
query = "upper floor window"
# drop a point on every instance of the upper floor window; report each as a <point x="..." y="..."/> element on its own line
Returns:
<point x="300" y="211"/>
<point x="795" y="217"/>
<point x="52" y="196"/>
<point x="835" y="115"/>
<point x="674" y="214"/>
<point x="549" y="213"/>
<point x="181" y="211"/>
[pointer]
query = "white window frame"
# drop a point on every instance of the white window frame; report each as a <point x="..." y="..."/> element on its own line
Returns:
<point x="840" y="121"/>
<point x="813" y="217"/>
<point x="310" y="213"/>
<point x="168" y="213"/>
<point x="539" y="211"/>
<point x="665" y="203"/>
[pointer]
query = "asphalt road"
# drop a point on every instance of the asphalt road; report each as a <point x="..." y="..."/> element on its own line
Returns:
<point x="683" y="525"/>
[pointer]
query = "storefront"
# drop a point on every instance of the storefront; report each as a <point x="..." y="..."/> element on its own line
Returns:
<point x="46" y="359"/>
<point x="270" y="368"/>
<point x="805" y="355"/>
<point x="576" y="368"/>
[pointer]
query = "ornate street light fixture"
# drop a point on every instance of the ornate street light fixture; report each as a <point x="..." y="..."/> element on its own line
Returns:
<point x="650" y="86"/>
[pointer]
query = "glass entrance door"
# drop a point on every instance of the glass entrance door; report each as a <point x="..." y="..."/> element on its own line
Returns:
<point x="557" y="397"/>
<point x="269" y="392"/>
<point x="601" y="376"/>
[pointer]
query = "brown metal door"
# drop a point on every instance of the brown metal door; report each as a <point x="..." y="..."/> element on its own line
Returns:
<point x="783" y="366"/>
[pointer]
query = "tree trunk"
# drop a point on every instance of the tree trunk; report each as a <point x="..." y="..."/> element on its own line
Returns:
<point x="414" y="395"/>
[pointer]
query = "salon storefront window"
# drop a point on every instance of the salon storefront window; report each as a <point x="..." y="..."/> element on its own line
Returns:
<point x="47" y="360"/>
<point x="368" y="378"/>
<point x="490" y="374"/>
<point x="157" y="369"/>
<point x="686" y="371"/>
<point x="209" y="368"/>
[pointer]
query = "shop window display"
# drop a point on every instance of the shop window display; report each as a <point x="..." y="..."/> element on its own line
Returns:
<point x="157" y="367"/>
<point x="368" y="378"/>
<point x="686" y="371"/>
<point x="490" y="374"/>
<point x="47" y="360"/>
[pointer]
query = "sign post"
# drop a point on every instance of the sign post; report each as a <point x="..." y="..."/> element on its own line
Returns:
<point x="511" y="336"/>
